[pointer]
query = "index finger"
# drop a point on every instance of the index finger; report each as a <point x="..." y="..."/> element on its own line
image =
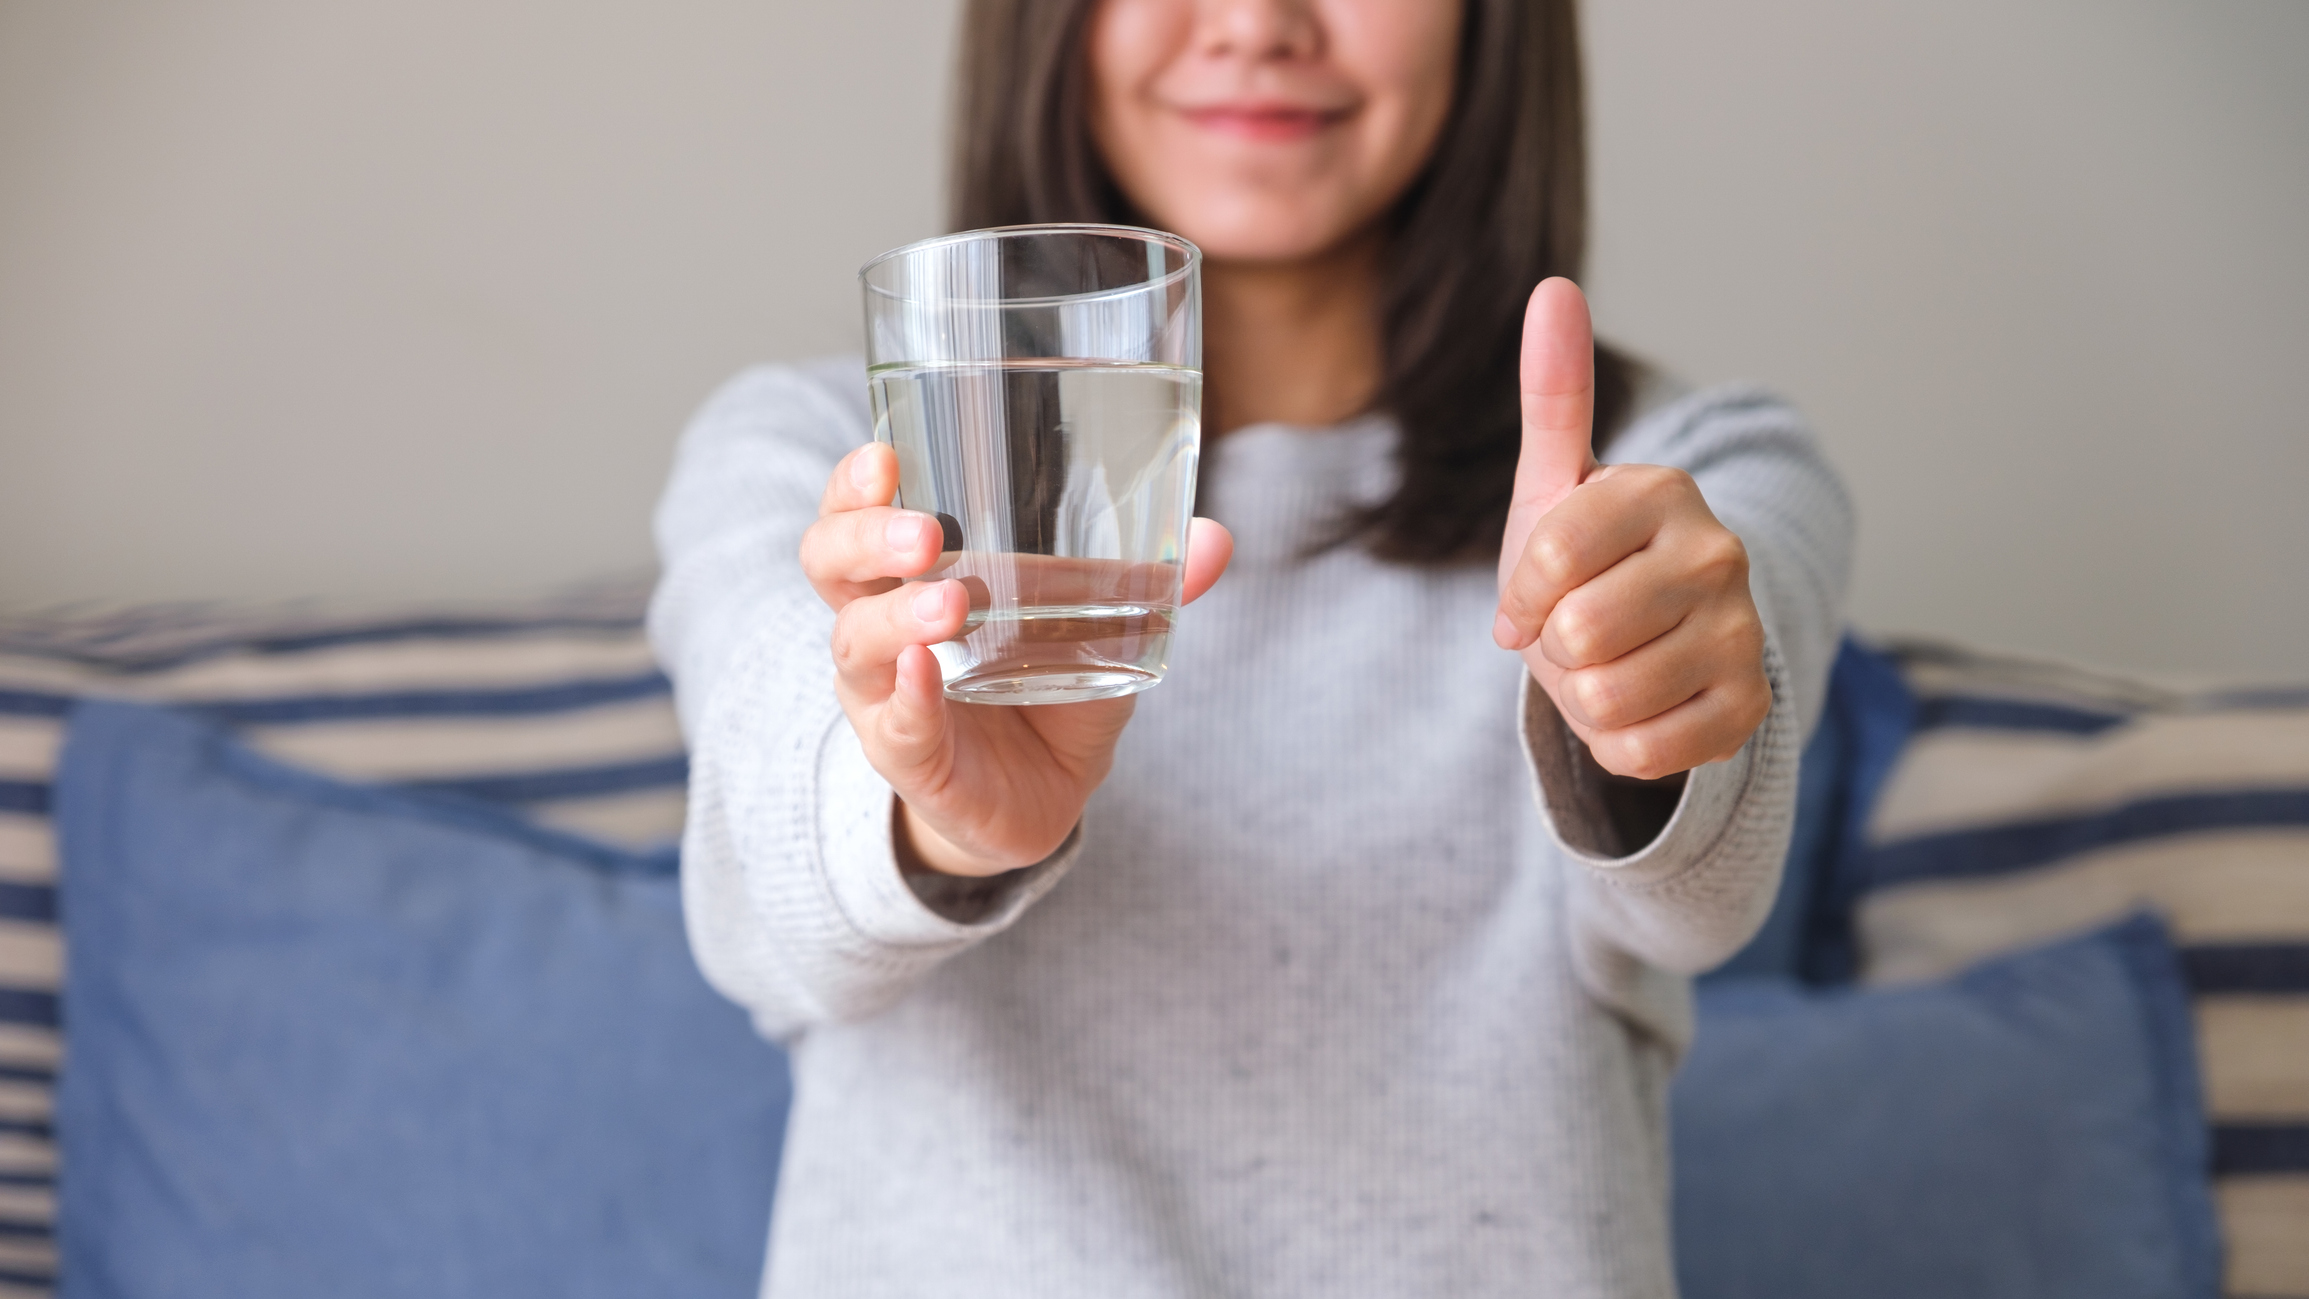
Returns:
<point x="864" y="478"/>
<point x="1592" y="529"/>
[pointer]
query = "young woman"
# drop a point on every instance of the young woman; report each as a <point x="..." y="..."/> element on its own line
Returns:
<point x="1350" y="960"/>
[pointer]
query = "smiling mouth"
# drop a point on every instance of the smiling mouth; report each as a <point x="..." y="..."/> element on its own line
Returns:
<point x="1266" y="122"/>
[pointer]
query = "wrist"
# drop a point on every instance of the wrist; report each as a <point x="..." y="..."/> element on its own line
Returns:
<point x="921" y="850"/>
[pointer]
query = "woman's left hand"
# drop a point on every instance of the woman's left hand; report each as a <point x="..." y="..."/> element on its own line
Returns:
<point x="1627" y="598"/>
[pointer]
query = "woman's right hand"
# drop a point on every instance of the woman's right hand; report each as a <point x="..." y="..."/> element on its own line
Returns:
<point x="982" y="788"/>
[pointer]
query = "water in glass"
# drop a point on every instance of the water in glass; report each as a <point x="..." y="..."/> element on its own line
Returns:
<point x="1063" y="486"/>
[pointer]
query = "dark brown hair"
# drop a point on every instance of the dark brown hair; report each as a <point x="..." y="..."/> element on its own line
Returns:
<point x="1500" y="206"/>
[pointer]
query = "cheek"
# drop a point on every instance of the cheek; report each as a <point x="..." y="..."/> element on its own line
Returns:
<point x="1128" y="42"/>
<point x="1405" y="53"/>
<point x="1399" y="40"/>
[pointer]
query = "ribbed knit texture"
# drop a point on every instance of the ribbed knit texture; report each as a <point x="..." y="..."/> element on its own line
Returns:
<point x="1317" y="1002"/>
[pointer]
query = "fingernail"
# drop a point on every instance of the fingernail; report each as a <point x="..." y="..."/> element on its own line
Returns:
<point x="1504" y="632"/>
<point x="862" y="471"/>
<point x="930" y="606"/>
<point x="905" y="531"/>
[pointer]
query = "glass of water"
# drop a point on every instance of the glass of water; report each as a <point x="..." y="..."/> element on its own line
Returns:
<point x="1042" y="386"/>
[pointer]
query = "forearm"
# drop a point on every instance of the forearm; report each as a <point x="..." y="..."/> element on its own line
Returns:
<point x="796" y="903"/>
<point x="797" y="906"/>
<point x="1693" y="887"/>
<point x="1678" y="884"/>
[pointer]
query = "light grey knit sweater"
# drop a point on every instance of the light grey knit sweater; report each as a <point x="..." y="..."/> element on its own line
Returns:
<point x="1321" y="1000"/>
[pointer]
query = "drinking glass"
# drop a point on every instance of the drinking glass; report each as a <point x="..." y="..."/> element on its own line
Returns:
<point x="1042" y="386"/>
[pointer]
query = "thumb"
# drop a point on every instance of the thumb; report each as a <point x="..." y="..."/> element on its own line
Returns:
<point x="1558" y="382"/>
<point x="1209" y="547"/>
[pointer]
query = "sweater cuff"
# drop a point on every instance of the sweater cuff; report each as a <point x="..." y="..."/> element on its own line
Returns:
<point x="1570" y="787"/>
<point x="858" y="851"/>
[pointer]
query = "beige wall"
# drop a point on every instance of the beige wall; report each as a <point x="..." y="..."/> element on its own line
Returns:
<point x="2040" y="273"/>
<point x="407" y="300"/>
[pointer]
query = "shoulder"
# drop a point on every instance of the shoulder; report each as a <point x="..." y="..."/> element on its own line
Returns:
<point x="814" y="402"/>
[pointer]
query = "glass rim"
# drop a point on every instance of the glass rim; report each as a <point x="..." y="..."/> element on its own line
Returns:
<point x="1143" y="234"/>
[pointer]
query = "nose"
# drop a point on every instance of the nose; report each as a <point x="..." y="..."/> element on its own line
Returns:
<point x="1258" y="30"/>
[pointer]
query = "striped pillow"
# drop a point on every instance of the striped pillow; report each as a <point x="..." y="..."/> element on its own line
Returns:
<point x="2035" y="801"/>
<point x="556" y="708"/>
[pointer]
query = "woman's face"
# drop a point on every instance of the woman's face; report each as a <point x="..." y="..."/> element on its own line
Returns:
<point x="1269" y="130"/>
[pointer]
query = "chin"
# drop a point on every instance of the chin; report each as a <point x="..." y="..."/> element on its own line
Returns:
<point x="1232" y="230"/>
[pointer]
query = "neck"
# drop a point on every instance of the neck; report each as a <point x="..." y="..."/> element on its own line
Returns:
<point x="1291" y="343"/>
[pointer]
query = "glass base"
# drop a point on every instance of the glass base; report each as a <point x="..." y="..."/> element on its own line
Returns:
<point x="1056" y="684"/>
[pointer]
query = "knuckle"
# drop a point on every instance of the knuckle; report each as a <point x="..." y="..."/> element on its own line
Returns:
<point x="906" y="734"/>
<point x="1757" y="706"/>
<point x="849" y="641"/>
<point x="1576" y="631"/>
<point x="1659" y="485"/>
<point x="1597" y="696"/>
<point x="1554" y="555"/>
<point x="1724" y="557"/>
<point x="1635" y="756"/>
<point x="1741" y="642"/>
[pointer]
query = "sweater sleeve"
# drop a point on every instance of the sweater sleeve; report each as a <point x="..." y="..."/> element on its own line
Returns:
<point x="795" y="903"/>
<point x="1643" y="916"/>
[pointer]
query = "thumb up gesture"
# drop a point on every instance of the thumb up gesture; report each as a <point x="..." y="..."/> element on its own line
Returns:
<point x="1627" y="599"/>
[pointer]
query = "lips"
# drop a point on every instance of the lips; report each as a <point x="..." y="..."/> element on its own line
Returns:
<point x="1265" y="121"/>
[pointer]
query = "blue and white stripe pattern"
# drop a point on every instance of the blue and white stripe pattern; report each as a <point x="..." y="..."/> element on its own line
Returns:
<point x="557" y="708"/>
<point x="2034" y="801"/>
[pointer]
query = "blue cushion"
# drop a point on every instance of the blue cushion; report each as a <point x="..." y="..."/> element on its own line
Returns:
<point x="553" y="709"/>
<point x="2037" y="800"/>
<point x="333" y="1039"/>
<point x="2032" y="1129"/>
